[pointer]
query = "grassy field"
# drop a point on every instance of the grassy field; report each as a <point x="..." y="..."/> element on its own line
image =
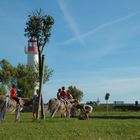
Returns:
<point x="72" y="129"/>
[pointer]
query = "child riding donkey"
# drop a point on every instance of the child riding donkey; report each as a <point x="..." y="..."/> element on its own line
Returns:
<point x="13" y="94"/>
<point x="63" y="96"/>
<point x="63" y="100"/>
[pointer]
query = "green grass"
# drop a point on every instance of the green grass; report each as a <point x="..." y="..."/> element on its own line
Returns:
<point x="124" y="114"/>
<point x="71" y="129"/>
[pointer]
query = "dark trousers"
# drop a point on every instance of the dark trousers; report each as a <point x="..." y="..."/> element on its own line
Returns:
<point x="16" y="99"/>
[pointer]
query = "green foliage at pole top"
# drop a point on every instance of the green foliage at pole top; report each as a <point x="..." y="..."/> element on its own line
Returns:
<point x="39" y="26"/>
<point x="75" y="92"/>
<point x="107" y="96"/>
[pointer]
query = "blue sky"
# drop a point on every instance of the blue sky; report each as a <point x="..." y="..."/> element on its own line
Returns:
<point x="95" y="45"/>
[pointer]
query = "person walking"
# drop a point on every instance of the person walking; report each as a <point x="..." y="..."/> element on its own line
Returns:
<point x="35" y="104"/>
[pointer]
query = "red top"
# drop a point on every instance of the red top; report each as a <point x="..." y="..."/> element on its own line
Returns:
<point x="13" y="92"/>
<point x="32" y="49"/>
<point x="63" y="95"/>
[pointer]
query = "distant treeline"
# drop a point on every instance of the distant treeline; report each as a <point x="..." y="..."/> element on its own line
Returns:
<point x="112" y="107"/>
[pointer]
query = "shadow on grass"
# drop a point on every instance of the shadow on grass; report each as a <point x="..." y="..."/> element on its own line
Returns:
<point x="115" y="117"/>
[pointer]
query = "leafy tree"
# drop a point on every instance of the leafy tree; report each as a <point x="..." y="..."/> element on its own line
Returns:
<point x="27" y="78"/>
<point x="39" y="26"/>
<point x="24" y="76"/>
<point x="7" y="73"/>
<point x="2" y="90"/>
<point x="136" y="103"/>
<point x="107" y="95"/>
<point x="90" y="103"/>
<point x="75" y="92"/>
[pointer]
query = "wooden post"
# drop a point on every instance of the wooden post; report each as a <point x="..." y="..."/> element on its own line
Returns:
<point x="41" y="104"/>
<point x="42" y="76"/>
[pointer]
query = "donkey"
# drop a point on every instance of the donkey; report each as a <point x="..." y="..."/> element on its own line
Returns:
<point x="55" y="105"/>
<point x="7" y="104"/>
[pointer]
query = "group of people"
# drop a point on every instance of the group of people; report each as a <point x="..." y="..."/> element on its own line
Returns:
<point x="62" y="95"/>
<point x="65" y="98"/>
<point x="35" y="104"/>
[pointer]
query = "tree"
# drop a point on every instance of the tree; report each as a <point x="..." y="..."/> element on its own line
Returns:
<point x="75" y="92"/>
<point x="39" y="26"/>
<point x="2" y="90"/>
<point x="136" y="103"/>
<point x="27" y="78"/>
<point x="107" y="98"/>
<point x="7" y="73"/>
<point x="24" y="76"/>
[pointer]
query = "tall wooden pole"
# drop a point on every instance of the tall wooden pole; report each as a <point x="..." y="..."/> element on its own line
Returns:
<point x="42" y="76"/>
<point x="41" y="104"/>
